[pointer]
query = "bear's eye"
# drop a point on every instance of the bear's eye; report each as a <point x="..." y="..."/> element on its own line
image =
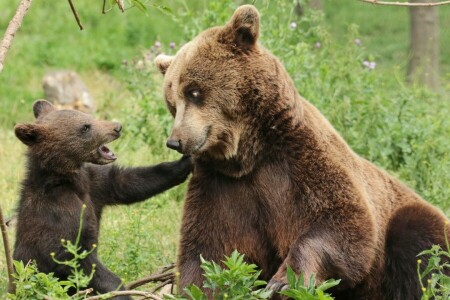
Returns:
<point x="194" y="96"/>
<point x="85" y="128"/>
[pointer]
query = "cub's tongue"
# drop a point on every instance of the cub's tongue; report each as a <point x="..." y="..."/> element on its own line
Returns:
<point x="106" y="153"/>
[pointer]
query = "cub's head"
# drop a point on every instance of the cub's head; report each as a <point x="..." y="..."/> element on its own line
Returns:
<point x="65" y="139"/>
<point x="212" y="84"/>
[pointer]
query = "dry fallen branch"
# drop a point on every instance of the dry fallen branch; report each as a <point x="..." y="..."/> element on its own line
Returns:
<point x="161" y="285"/>
<point x="9" y="260"/>
<point x="13" y="26"/>
<point x="75" y="13"/>
<point x="405" y="3"/>
<point x="146" y="295"/>
<point x="83" y="292"/>
<point x="164" y="274"/>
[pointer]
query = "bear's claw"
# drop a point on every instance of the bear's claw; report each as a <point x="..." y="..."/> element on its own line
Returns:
<point x="277" y="286"/>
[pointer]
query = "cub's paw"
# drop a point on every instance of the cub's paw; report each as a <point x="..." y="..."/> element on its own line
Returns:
<point x="185" y="166"/>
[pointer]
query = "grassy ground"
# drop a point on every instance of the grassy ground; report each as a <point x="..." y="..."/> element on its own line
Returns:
<point x="384" y="30"/>
<point x="136" y="240"/>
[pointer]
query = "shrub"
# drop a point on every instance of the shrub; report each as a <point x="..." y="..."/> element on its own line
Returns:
<point x="239" y="280"/>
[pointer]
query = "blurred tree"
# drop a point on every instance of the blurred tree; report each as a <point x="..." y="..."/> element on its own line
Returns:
<point x="423" y="65"/>
<point x="314" y="4"/>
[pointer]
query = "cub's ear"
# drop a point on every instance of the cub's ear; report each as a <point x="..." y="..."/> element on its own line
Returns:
<point x="243" y="27"/>
<point x="29" y="134"/>
<point x="162" y="62"/>
<point x="42" y="107"/>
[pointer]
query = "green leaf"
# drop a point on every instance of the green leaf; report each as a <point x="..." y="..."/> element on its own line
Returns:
<point x="139" y="5"/>
<point x="328" y="284"/>
<point x="195" y="293"/>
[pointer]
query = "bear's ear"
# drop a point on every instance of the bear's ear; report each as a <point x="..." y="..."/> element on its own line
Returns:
<point x="243" y="28"/>
<point x="162" y="62"/>
<point x="42" y="107"/>
<point x="29" y="134"/>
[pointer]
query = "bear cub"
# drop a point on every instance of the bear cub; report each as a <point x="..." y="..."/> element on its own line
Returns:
<point x="68" y="167"/>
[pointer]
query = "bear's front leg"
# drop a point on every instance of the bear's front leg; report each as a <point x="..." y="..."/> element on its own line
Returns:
<point x="333" y="247"/>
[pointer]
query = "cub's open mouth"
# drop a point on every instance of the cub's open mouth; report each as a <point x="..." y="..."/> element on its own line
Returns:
<point x="106" y="153"/>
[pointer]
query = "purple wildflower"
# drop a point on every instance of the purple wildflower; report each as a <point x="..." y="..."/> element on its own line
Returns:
<point x="358" y="42"/>
<point x="172" y="45"/>
<point x="317" y="45"/>
<point x="157" y="44"/>
<point x="369" y="64"/>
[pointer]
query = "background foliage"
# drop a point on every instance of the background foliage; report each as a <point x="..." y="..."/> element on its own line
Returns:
<point x="403" y="129"/>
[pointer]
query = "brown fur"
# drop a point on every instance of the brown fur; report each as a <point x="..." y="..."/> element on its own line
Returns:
<point x="275" y="181"/>
<point x="66" y="170"/>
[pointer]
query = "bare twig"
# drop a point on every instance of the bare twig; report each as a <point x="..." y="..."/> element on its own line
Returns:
<point x="151" y="278"/>
<point x="405" y="3"/>
<point x="121" y="5"/>
<point x="75" y="13"/>
<point x="159" y="286"/>
<point x="146" y="295"/>
<point x="9" y="260"/>
<point x="13" y="26"/>
<point x="83" y="292"/>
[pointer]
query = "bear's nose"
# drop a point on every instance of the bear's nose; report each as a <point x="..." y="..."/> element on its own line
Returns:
<point x="118" y="127"/>
<point x="174" y="144"/>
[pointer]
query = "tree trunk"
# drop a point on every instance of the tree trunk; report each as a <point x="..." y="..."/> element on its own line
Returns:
<point x="423" y="66"/>
<point x="313" y="4"/>
<point x="316" y="4"/>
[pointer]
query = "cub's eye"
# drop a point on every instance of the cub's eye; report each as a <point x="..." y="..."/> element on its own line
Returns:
<point x="194" y="95"/>
<point x="85" y="128"/>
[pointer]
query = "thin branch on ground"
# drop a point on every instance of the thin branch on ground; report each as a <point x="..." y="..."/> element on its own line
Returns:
<point x="75" y="13"/>
<point x="159" y="286"/>
<point x="405" y="3"/>
<point x="13" y="26"/>
<point x="164" y="274"/>
<point x="83" y="292"/>
<point x="146" y="295"/>
<point x="9" y="259"/>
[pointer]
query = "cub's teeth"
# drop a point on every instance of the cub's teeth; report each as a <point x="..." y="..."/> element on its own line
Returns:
<point x="106" y="153"/>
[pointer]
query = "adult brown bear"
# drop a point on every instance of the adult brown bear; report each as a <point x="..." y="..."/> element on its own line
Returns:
<point x="68" y="167"/>
<point x="275" y="181"/>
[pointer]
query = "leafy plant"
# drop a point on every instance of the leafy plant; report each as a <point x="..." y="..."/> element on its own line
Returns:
<point x="32" y="284"/>
<point x="298" y="290"/>
<point x="77" y="279"/>
<point x="239" y="280"/>
<point x="438" y="284"/>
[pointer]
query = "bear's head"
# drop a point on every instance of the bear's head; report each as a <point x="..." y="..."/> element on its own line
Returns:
<point x="228" y="95"/>
<point x="62" y="140"/>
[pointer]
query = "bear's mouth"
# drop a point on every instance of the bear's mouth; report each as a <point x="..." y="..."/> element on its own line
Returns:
<point x="106" y="153"/>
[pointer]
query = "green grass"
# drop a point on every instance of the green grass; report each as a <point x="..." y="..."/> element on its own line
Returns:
<point x="384" y="30"/>
<point x="404" y="130"/>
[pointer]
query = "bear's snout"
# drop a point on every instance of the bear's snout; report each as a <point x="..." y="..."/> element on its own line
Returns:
<point x="174" y="144"/>
<point x="118" y="128"/>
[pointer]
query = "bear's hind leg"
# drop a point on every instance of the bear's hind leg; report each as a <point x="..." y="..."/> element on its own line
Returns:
<point x="412" y="229"/>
